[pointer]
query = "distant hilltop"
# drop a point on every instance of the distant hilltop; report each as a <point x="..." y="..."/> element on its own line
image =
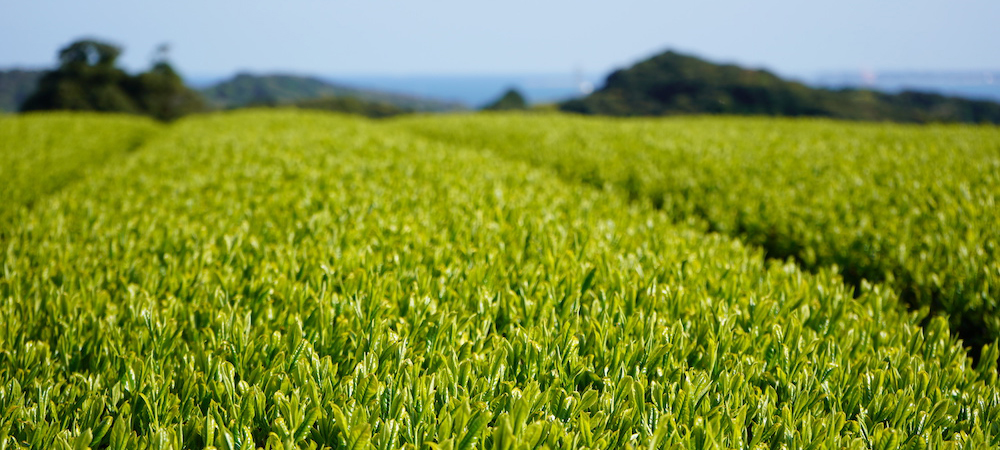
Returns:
<point x="276" y="89"/>
<point x="673" y="83"/>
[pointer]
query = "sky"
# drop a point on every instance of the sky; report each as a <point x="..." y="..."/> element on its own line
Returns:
<point x="382" y="37"/>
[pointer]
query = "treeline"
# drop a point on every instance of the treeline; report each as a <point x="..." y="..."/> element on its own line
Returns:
<point x="89" y="79"/>
<point x="672" y="83"/>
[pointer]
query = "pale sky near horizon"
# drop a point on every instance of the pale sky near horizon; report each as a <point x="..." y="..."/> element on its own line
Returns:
<point x="330" y="37"/>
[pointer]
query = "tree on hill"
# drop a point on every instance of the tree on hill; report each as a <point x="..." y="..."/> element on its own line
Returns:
<point x="161" y="93"/>
<point x="510" y="100"/>
<point x="88" y="79"/>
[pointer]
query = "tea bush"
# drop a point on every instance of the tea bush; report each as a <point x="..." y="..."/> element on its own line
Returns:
<point x="41" y="153"/>
<point x="915" y="207"/>
<point x="297" y="280"/>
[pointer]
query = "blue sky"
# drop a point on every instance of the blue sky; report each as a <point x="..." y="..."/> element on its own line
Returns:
<point x="331" y="37"/>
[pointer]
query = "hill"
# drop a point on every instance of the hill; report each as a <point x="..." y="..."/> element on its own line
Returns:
<point x="15" y="86"/>
<point x="673" y="83"/>
<point x="247" y="89"/>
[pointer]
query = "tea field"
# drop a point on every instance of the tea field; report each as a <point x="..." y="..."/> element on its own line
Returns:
<point x="40" y="154"/>
<point x="285" y="280"/>
<point x="915" y="207"/>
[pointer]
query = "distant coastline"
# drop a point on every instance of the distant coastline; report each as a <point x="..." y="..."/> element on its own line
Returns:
<point x="979" y="85"/>
<point x="477" y="90"/>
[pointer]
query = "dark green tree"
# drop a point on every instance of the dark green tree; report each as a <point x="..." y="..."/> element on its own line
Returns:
<point x="510" y="100"/>
<point x="161" y="92"/>
<point x="89" y="53"/>
<point x="88" y="79"/>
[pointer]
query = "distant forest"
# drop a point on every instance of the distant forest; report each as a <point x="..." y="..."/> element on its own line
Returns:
<point x="670" y="83"/>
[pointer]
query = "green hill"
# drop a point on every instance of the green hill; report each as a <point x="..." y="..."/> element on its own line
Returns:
<point x="15" y="86"/>
<point x="672" y="83"/>
<point x="246" y="90"/>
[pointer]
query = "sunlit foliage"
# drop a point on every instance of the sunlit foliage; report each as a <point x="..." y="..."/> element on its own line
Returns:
<point x="300" y="280"/>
